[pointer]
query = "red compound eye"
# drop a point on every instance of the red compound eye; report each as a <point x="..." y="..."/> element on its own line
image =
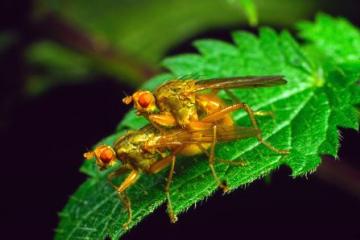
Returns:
<point x="106" y="156"/>
<point x="145" y="100"/>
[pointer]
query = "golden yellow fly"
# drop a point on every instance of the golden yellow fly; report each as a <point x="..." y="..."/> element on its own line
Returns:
<point x="184" y="103"/>
<point x="149" y="151"/>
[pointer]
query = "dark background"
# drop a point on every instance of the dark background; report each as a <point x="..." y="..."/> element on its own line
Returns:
<point x="44" y="137"/>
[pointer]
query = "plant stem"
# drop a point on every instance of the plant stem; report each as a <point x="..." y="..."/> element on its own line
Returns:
<point x="114" y="61"/>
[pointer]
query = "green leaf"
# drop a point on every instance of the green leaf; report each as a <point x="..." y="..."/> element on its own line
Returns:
<point x="341" y="94"/>
<point x="133" y="32"/>
<point x="331" y="49"/>
<point x="54" y="64"/>
<point x="249" y="9"/>
<point x="139" y="26"/>
<point x="307" y="112"/>
<point x="334" y="37"/>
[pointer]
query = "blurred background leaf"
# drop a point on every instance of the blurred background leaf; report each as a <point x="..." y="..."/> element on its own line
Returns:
<point x="126" y="39"/>
<point x="249" y="9"/>
<point x="149" y="28"/>
<point x="52" y="61"/>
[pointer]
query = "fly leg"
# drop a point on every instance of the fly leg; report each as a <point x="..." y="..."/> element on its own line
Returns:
<point x="259" y="137"/>
<point x="212" y="162"/>
<point x="121" y="190"/>
<point x="198" y="125"/>
<point x="211" y="156"/>
<point x="165" y="119"/>
<point x="158" y="166"/>
<point x="239" y="163"/>
<point x="171" y="213"/>
<point x="256" y="113"/>
<point x="223" y="112"/>
<point x="118" y="172"/>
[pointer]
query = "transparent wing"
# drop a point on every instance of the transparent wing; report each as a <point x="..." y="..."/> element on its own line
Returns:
<point x="240" y="82"/>
<point x="223" y="134"/>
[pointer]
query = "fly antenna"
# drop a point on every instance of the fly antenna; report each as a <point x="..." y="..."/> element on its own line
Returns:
<point x="125" y="93"/>
<point x="127" y="99"/>
<point x="89" y="155"/>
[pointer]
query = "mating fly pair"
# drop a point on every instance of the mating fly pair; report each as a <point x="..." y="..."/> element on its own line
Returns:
<point x="184" y="120"/>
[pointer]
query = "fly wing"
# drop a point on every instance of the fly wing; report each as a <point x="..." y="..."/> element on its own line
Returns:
<point x="223" y="134"/>
<point x="240" y="82"/>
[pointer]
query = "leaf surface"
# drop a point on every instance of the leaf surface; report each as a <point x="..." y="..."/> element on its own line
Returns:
<point x="308" y="109"/>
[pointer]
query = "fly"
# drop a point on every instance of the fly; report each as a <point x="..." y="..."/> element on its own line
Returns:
<point x="184" y="103"/>
<point x="149" y="151"/>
